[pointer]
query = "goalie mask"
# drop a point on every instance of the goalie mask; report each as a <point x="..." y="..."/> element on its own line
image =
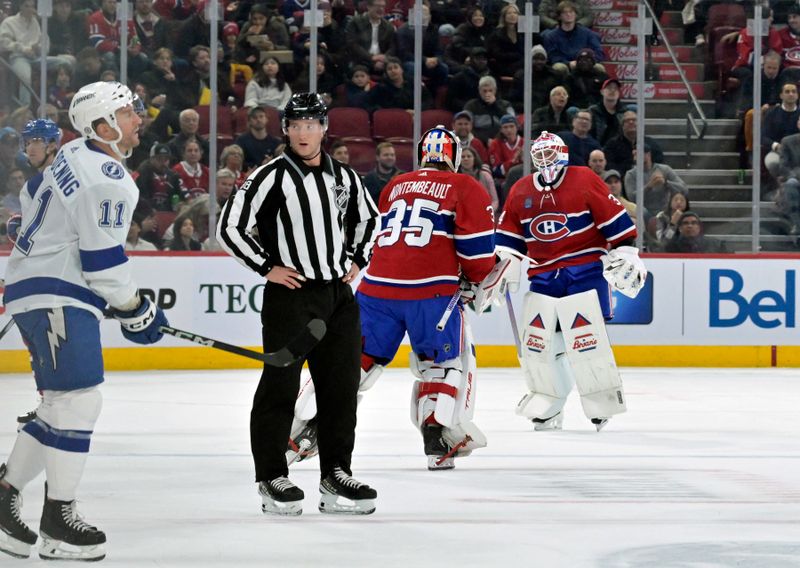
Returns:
<point x="550" y="156"/>
<point x="439" y="146"/>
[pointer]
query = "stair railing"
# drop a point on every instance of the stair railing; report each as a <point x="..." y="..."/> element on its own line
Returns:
<point x="693" y="125"/>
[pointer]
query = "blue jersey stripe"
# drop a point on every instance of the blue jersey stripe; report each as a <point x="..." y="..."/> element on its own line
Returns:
<point x="44" y="285"/>
<point x="66" y="440"/>
<point x="475" y="246"/>
<point x="514" y="242"/>
<point x="97" y="260"/>
<point x="621" y="224"/>
<point x="34" y="183"/>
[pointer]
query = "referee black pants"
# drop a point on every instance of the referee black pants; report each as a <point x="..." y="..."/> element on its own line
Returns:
<point x="335" y="365"/>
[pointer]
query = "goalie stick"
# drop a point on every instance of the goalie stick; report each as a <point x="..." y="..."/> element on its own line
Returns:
<point x="514" y="328"/>
<point x="451" y="305"/>
<point x="6" y="328"/>
<point x="296" y="349"/>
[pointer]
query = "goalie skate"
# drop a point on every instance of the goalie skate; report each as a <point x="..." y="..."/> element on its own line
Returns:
<point x="599" y="423"/>
<point x="552" y="423"/>
<point x="304" y="445"/>
<point x="440" y="456"/>
<point x="280" y="496"/>
<point x="344" y="495"/>
<point x="66" y="536"/>
<point x="16" y="538"/>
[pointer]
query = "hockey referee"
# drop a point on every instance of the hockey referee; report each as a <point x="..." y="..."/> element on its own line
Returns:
<point x="305" y="223"/>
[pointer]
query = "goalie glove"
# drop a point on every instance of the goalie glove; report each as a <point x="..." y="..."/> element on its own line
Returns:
<point x="141" y="325"/>
<point x="624" y="270"/>
<point x="467" y="290"/>
<point x="504" y="275"/>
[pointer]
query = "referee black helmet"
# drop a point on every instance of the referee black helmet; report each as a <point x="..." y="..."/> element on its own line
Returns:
<point x="305" y="106"/>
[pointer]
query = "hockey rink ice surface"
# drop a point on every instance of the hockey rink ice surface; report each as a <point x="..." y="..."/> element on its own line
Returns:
<point x="703" y="471"/>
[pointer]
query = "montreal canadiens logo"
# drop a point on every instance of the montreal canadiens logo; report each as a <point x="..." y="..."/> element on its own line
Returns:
<point x="549" y="227"/>
<point x="113" y="170"/>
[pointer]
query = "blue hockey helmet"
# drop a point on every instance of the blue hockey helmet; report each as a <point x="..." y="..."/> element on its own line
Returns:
<point x="40" y="129"/>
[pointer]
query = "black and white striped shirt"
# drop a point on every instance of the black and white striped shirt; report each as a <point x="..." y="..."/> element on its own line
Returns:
<point x="313" y="219"/>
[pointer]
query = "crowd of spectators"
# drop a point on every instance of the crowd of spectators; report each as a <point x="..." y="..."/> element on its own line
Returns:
<point x="472" y="66"/>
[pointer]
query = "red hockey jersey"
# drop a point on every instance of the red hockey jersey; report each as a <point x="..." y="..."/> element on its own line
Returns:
<point x="104" y="35"/>
<point x="434" y="224"/>
<point x="570" y="225"/>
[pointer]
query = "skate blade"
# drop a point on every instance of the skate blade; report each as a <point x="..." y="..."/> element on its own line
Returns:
<point x="282" y="508"/>
<point x="338" y="505"/>
<point x="59" y="550"/>
<point x="435" y="465"/>
<point x="601" y="424"/>
<point x="14" y="547"/>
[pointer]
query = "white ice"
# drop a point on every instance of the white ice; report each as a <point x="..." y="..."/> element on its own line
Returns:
<point x="703" y="471"/>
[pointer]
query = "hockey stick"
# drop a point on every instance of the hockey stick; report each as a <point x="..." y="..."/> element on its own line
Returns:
<point x="287" y="355"/>
<point x="451" y="305"/>
<point x="514" y="324"/>
<point x="6" y="328"/>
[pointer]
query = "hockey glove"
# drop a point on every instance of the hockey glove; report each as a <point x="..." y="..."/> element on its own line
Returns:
<point x="142" y="324"/>
<point x="492" y="289"/>
<point x="624" y="270"/>
<point x="467" y="290"/>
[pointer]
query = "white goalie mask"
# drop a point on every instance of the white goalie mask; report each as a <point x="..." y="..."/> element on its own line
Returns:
<point x="550" y="156"/>
<point x="101" y="100"/>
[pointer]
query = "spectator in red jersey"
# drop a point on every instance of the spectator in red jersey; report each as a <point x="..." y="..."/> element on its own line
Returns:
<point x="193" y="174"/>
<point x="505" y="149"/>
<point x="104" y="35"/>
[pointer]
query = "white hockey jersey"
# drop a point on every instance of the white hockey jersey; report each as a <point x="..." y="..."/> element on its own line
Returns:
<point x="70" y="249"/>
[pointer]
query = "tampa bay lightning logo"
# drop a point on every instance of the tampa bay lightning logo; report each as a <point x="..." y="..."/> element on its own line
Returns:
<point x="549" y="227"/>
<point x="113" y="170"/>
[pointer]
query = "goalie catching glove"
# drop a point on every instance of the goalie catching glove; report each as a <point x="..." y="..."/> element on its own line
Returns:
<point x="142" y="324"/>
<point x="504" y="275"/>
<point x="624" y="270"/>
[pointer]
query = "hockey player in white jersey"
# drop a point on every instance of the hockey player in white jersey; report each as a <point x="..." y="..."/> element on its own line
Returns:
<point x="67" y="266"/>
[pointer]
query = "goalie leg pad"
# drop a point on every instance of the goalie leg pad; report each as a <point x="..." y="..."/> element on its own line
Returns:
<point x="549" y="382"/>
<point x="589" y="352"/>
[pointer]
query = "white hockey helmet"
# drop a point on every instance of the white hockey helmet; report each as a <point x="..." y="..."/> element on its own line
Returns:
<point x="550" y="156"/>
<point x="97" y="101"/>
<point x="439" y="146"/>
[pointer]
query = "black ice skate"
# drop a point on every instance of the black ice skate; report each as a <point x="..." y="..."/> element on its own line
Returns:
<point x="304" y="445"/>
<point x="280" y="496"/>
<point x="440" y="455"/>
<point x="599" y="423"/>
<point x="66" y="536"/>
<point x="342" y="494"/>
<point x="16" y="538"/>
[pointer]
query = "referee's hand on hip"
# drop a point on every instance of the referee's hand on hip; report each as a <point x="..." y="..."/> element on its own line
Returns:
<point x="288" y="277"/>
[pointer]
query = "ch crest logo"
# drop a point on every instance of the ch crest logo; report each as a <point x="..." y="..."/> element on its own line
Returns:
<point x="549" y="227"/>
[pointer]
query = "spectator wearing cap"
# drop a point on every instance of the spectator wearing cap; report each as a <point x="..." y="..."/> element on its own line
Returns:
<point x="578" y="140"/>
<point x="158" y="185"/>
<point x="487" y="109"/>
<point x="369" y="37"/>
<point x="585" y="80"/>
<point x="462" y="128"/>
<point x="690" y="238"/>
<point x="446" y="34"/>
<point x="464" y="84"/>
<point x="150" y="28"/>
<point x="230" y="33"/>
<point x="553" y="116"/>
<point x="661" y="181"/>
<point x="619" y="150"/>
<point x="385" y="169"/>
<point x="565" y="41"/>
<point x="20" y="36"/>
<point x="543" y="79"/>
<point x="607" y="114"/>
<point x="470" y="35"/>
<point x="549" y="13"/>
<point x="597" y="162"/>
<point x="433" y="68"/>
<point x="506" y="46"/>
<point x="189" y="121"/>
<point x="358" y="89"/>
<point x="614" y="182"/>
<point x="258" y="146"/>
<point x="505" y="149"/>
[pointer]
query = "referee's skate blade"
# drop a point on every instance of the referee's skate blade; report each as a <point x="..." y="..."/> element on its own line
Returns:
<point x="51" y="549"/>
<point x="284" y="509"/>
<point x="338" y="505"/>
<point x="14" y="547"/>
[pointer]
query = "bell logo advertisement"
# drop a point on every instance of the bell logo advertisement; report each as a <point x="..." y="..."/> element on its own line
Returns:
<point x="766" y="309"/>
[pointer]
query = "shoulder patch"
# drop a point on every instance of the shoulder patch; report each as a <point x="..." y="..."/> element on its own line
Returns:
<point x="113" y="170"/>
